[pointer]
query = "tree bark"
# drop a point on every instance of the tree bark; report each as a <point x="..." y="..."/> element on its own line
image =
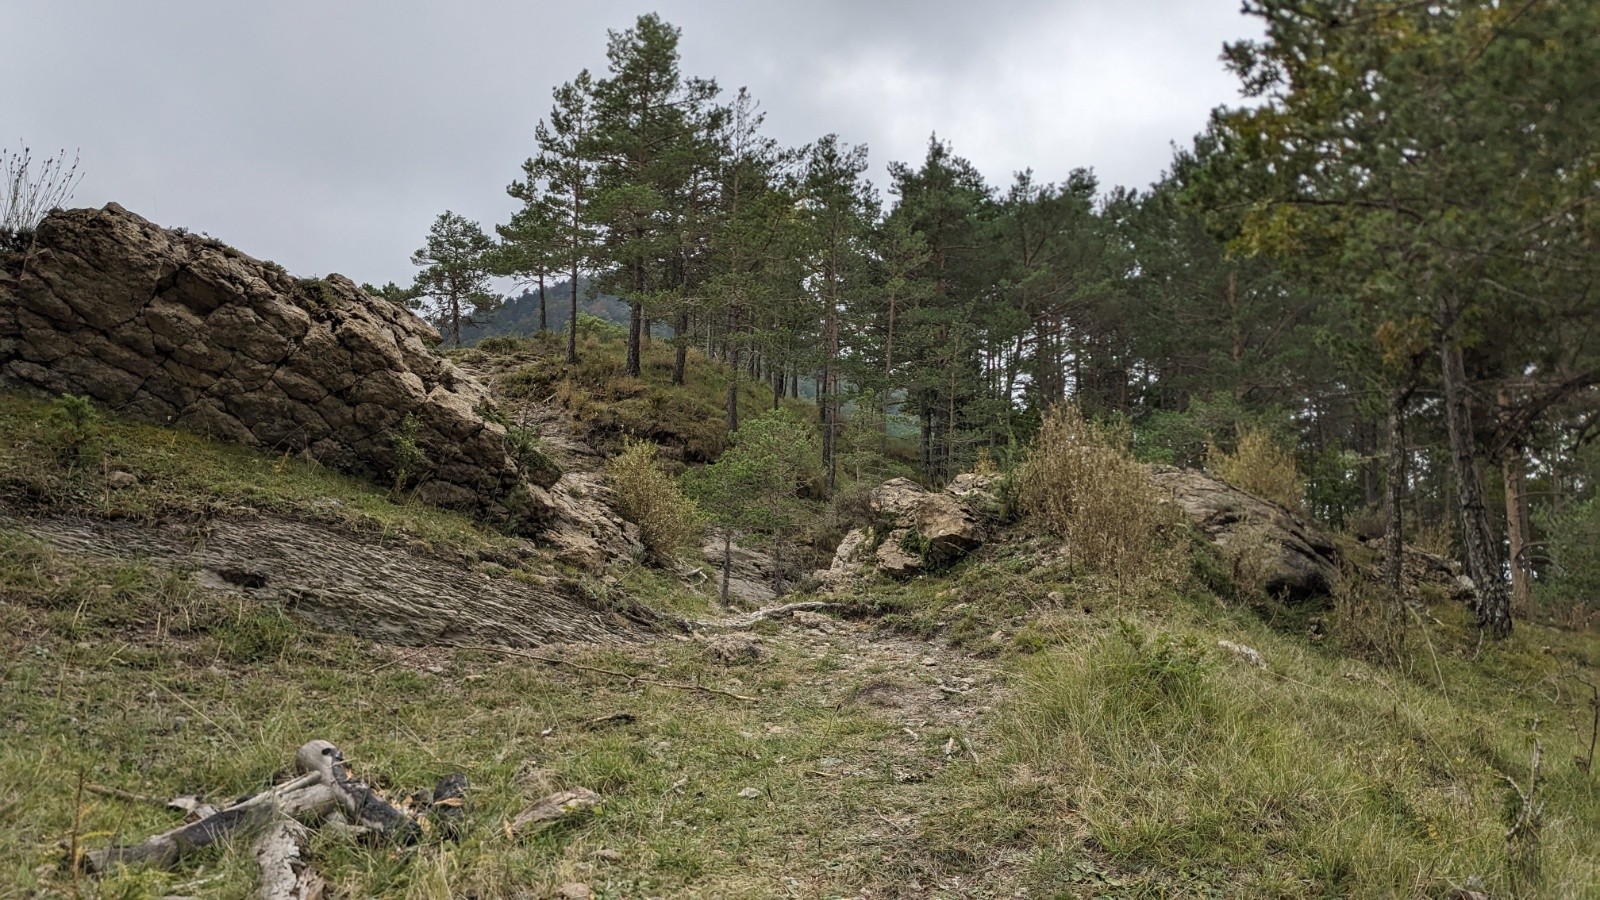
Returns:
<point x="1483" y="563"/>
<point x="572" y="324"/>
<point x="1518" y="528"/>
<point x="544" y="321"/>
<point x="727" y="562"/>
<point x="1394" y="497"/>
<point x="680" y="357"/>
<point x="635" y="331"/>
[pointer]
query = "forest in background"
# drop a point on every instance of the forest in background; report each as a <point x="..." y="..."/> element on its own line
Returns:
<point x="1384" y="262"/>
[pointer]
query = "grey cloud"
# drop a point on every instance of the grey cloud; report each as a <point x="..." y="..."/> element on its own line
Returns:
<point x="328" y="135"/>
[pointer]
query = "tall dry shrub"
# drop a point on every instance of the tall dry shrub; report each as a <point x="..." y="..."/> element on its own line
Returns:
<point x="668" y="521"/>
<point x="1260" y="466"/>
<point x="1080" y="482"/>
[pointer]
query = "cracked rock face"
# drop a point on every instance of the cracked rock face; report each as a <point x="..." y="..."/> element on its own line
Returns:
<point x="1306" y="562"/>
<point x="174" y="328"/>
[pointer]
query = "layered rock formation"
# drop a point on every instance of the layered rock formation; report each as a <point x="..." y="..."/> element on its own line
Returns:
<point x="1305" y="561"/>
<point x="173" y="328"/>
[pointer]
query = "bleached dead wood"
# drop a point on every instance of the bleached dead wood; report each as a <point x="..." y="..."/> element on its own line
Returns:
<point x="325" y="790"/>
<point x="284" y="872"/>
<point x="771" y="612"/>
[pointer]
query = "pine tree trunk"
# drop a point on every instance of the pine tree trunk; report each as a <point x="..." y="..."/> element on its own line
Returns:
<point x="727" y="562"/>
<point x="544" y="321"/>
<point x="1394" y="497"/>
<point x="572" y="323"/>
<point x="777" y="562"/>
<point x="1518" y="527"/>
<point x="680" y="358"/>
<point x="635" y="329"/>
<point x="1483" y="565"/>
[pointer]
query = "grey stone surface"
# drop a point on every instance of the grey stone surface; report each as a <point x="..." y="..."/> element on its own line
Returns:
<point x="179" y="329"/>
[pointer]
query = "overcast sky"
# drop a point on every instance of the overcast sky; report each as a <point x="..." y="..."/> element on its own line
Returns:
<point x="327" y="134"/>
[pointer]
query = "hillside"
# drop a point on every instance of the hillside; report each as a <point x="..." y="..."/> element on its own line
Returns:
<point x="518" y="315"/>
<point x="1000" y="727"/>
<point x="1068" y="675"/>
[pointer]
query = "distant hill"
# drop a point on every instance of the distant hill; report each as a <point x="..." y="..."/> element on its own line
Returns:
<point x="519" y="316"/>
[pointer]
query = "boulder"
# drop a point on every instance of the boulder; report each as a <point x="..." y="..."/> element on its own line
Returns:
<point x="751" y="575"/>
<point x="980" y="493"/>
<point x="916" y="530"/>
<point x="1305" y="562"/>
<point x="175" y="328"/>
<point x="947" y="527"/>
<point x="897" y="556"/>
<point x="1425" y="576"/>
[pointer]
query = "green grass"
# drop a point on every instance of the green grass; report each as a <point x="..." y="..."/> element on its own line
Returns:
<point x="1131" y="758"/>
<point x="49" y="467"/>
<point x="687" y="420"/>
<point x="219" y="705"/>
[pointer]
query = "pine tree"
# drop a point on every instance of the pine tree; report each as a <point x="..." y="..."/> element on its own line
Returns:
<point x="840" y="207"/>
<point x="556" y="190"/>
<point x="455" y="273"/>
<point x="648" y="123"/>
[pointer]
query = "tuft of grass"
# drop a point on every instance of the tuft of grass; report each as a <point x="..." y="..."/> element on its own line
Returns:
<point x="1081" y="483"/>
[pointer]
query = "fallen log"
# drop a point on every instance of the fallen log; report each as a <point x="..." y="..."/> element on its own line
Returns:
<point x="285" y="875"/>
<point x="324" y="792"/>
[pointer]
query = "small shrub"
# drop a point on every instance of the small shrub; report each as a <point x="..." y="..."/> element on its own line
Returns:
<point x="76" y="425"/>
<point x="1080" y="483"/>
<point x="1260" y="466"/>
<point x="668" y="521"/>
<point x="410" y="461"/>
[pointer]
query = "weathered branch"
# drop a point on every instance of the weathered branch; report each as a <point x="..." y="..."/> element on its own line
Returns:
<point x="323" y="789"/>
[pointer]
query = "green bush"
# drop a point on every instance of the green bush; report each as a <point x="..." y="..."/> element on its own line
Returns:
<point x="75" y="424"/>
<point x="668" y="521"/>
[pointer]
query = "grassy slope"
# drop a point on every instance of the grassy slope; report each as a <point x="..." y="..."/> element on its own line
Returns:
<point x="1129" y="755"/>
<point x="688" y="420"/>
<point x="180" y="474"/>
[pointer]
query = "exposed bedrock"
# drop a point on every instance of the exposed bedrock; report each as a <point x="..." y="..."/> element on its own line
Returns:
<point x="175" y="328"/>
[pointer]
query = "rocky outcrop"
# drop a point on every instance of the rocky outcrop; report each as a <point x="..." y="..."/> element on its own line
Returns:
<point x="380" y="588"/>
<point x="1303" y="562"/>
<point x="586" y="529"/>
<point x="174" y="328"/>
<point x="1426" y="576"/>
<point x="916" y="530"/>
<point x="752" y="575"/>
